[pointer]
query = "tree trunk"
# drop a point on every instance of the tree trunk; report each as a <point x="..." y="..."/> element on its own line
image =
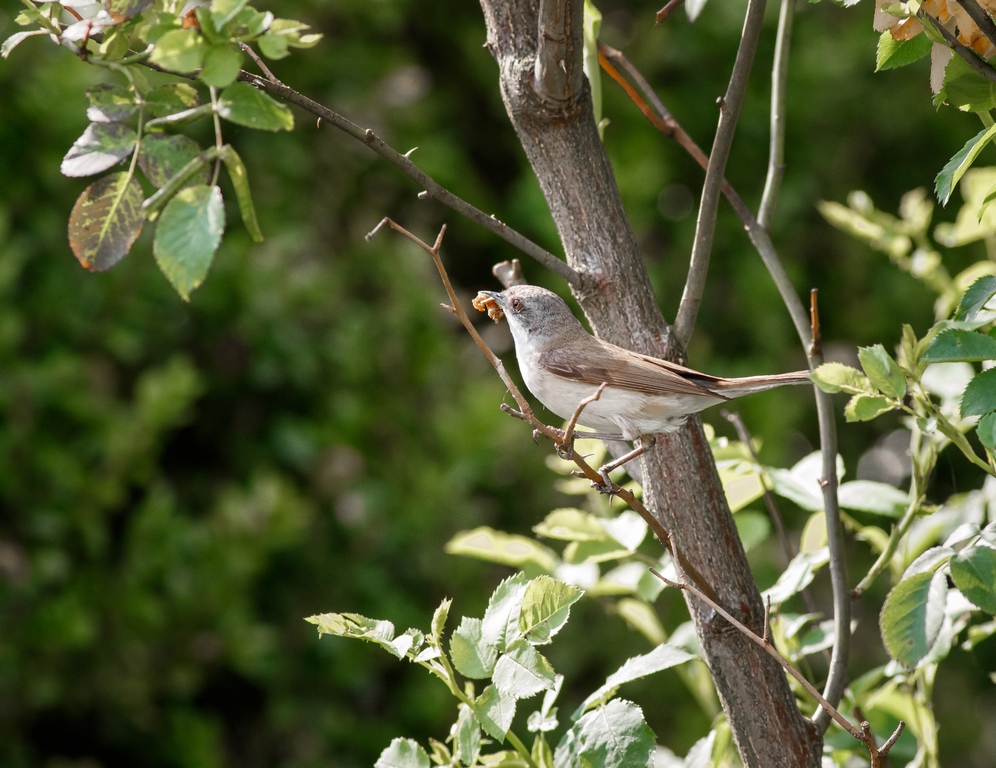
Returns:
<point x="549" y="105"/>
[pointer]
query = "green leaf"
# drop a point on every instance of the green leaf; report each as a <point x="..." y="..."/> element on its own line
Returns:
<point x="980" y="394"/>
<point x="500" y="626"/>
<point x="951" y="173"/>
<point x="614" y="735"/>
<point x="497" y="547"/>
<point x="876" y="498"/>
<point x="273" y="46"/>
<point x="16" y="39"/>
<point x="546" y="607"/>
<point x="797" y="575"/>
<point x="898" y="53"/>
<point x="976" y="297"/>
<point x="495" y="711"/>
<point x="912" y="616"/>
<point x="753" y="528"/>
<point x="472" y="656"/>
<point x="882" y="371"/>
<point x="660" y="658"/>
<point x="355" y="626"/>
<point x="106" y="220"/>
<point x="403" y="753"/>
<point x="439" y="617"/>
<point x="163" y="155"/>
<point x="986" y="430"/>
<point x="466" y="736"/>
<point x="240" y="181"/>
<point x="242" y="104"/>
<point x="571" y="525"/>
<point x="593" y="551"/>
<point x="110" y="103"/>
<point x="170" y="99"/>
<point x="178" y="181"/>
<point x="837" y="377"/>
<point x="101" y="146"/>
<point x="867" y="407"/>
<point x="955" y="345"/>
<point x="974" y="573"/>
<point x="179" y="50"/>
<point x="221" y="65"/>
<point x="966" y="89"/>
<point x="522" y="671"/>
<point x="187" y="236"/>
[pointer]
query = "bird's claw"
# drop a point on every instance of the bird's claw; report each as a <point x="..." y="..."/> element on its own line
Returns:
<point x="606" y="486"/>
<point x="536" y="436"/>
<point x="566" y="452"/>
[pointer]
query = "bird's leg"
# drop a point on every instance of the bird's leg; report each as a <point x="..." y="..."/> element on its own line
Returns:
<point x="643" y="442"/>
<point x="566" y="451"/>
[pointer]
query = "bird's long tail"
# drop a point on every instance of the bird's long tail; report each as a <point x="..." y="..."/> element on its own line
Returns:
<point x="736" y="387"/>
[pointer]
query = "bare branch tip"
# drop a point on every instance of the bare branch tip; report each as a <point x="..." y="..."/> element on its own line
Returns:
<point x="369" y="236"/>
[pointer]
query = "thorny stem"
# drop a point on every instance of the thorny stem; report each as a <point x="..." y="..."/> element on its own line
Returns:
<point x="862" y="734"/>
<point x="705" y="227"/>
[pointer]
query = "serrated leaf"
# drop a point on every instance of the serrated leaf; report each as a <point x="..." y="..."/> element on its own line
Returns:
<point x="867" y="407"/>
<point x="221" y="65"/>
<point x="898" y="53"/>
<point x="466" y="733"/>
<point x="187" y="236"/>
<point x="837" y="377"/>
<point x="798" y="575"/>
<point x="163" y="155"/>
<point x="101" y="146"/>
<point x="240" y="182"/>
<point x="170" y="99"/>
<point x="242" y="104"/>
<point x="355" y="626"/>
<point x="180" y="50"/>
<point x="522" y="671"/>
<point x="403" y="753"/>
<point x="873" y="497"/>
<point x="974" y="573"/>
<point x="986" y="430"/>
<point x="109" y="103"/>
<point x="472" y="656"/>
<point x="614" y="735"/>
<point x="495" y="546"/>
<point x="964" y="88"/>
<point x="912" y="616"/>
<point x="546" y="606"/>
<point x="495" y="711"/>
<point x="955" y="345"/>
<point x="951" y="173"/>
<point x="976" y="297"/>
<point x="439" y="617"/>
<point x="500" y="626"/>
<point x="882" y="371"/>
<point x="106" y="220"/>
<point x="660" y="658"/>
<point x="980" y="394"/>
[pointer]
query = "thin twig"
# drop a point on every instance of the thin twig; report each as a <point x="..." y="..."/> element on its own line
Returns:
<point x="969" y="55"/>
<point x="569" y="432"/>
<point x="432" y="188"/>
<point x="664" y="12"/>
<point x="259" y="63"/>
<point x="509" y="273"/>
<point x="776" y="145"/>
<point x="705" y="226"/>
<point x="862" y="734"/>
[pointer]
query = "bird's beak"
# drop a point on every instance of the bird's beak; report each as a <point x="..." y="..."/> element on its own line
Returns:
<point x="496" y="295"/>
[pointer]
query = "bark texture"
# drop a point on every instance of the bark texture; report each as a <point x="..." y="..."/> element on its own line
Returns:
<point x="681" y="485"/>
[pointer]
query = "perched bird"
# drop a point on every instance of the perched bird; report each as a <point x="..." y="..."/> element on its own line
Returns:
<point x="561" y="364"/>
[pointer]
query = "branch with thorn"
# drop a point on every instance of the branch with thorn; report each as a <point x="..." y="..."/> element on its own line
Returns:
<point x="862" y="733"/>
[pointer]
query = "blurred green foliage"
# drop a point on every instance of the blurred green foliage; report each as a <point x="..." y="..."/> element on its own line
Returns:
<point x="181" y="484"/>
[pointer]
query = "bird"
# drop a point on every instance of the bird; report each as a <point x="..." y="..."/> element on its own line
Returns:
<point x="562" y="364"/>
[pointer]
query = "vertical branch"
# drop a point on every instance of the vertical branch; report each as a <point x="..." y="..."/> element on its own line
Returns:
<point x="705" y="227"/>
<point x="558" y="66"/>
<point x="776" y="150"/>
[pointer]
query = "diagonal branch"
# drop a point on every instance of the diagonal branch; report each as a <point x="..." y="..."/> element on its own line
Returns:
<point x="982" y="19"/>
<point x="432" y="188"/>
<point x="776" y="147"/>
<point x="705" y="227"/>
<point x="969" y="55"/>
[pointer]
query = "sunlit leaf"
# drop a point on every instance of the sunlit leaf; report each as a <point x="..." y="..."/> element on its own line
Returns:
<point x="894" y="53"/>
<point x="956" y="345"/>
<point x="546" y="606"/>
<point x="403" y="753"/>
<point x="797" y="575"/>
<point x="882" y="371"/>
<point x="495" y="546"/>
<point x="522" y="671"/>
<point x="613" y="735"/>
<point x="101" y="146"/>
<point x="837" y="377"/>
<point x="974" y="573"/>
<point x="105" y="221"/>
<point x="976" y="297"/>
<point x="241" y="103"/>
<point x="221" y="65"/>
<point x="980" y="394"/>
<point x="471" y="655"/>
<point x="187" y="236"/>
<point x="912" y="616"/>
<point x="240" y="182"/>
<point x="162" y="155"/>
<point x="660" y="658"/>
<point x="952" y="172"/>
<point x="495" y="711"/>
<point x="867" y="407"/>
<point x="180" y="50"/>
<point x="109" y="103"/>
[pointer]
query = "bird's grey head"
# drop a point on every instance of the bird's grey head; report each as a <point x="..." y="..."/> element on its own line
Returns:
<point x="537" y="316"/>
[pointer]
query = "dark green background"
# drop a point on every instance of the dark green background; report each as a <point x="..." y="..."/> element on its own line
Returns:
<point x="181" y="483"/>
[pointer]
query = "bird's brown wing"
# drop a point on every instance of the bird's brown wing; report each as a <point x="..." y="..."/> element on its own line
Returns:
<point x="630" y="370"/>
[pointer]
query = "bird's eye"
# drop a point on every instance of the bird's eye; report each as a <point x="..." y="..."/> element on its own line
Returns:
<point x="516" y="304"/>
